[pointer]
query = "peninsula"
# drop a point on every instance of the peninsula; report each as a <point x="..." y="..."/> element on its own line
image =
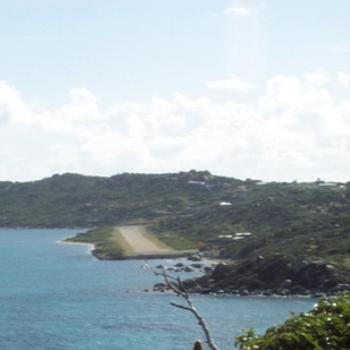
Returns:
<point x="127" y="242"/>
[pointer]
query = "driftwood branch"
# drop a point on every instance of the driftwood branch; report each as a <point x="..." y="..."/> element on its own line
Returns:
<point x="176" y="285"/>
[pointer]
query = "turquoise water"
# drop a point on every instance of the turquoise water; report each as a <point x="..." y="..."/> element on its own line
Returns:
<point x="57" y="296"/>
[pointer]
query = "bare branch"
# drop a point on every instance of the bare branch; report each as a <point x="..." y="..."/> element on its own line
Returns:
<point x="181" y="290"/>
<point x="181" y="306"/>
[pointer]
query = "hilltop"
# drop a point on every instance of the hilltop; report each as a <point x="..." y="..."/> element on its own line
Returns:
<point x="87" y="201"/>
<point x="235" y="219"/>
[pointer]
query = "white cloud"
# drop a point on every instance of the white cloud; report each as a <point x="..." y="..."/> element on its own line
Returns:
<point x="231" y="83"/>
<point x="343" y="79"/>
<point x="292" y="129"/>
<point x="237" y="11"/>
<point x="319" y="76"/>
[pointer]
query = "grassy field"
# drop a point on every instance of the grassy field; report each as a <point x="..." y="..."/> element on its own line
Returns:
<point x="107" y="240"/>
<point x="174" y="240"/>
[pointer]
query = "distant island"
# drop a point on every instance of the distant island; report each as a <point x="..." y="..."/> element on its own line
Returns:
<point x="227" y="218"/>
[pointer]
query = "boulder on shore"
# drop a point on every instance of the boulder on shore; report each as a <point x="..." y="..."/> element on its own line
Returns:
<point x="275" y="274"/>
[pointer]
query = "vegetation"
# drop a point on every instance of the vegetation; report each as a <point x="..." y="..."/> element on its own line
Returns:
<point x="277" y="274"/>
<point x="289" y="218"/>
<point x="174" y="240"/>
<point x="110" y="244"/>
<point x="308" y="219"/>
<point x="107" y="240"/>
<point x="325" y="327"/>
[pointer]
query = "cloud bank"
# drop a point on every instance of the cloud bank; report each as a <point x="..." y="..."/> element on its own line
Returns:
<point x="232" y="83"/>
<point x="293" y="128"/>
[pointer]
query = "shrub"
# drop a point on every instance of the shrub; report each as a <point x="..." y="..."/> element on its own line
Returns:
<point x="325" y="327"/>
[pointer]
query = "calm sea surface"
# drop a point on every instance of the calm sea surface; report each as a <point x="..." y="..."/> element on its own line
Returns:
<point x="57" y="296"/>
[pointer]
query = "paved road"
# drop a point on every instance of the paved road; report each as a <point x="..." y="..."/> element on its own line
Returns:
<point x="140" y="243"/>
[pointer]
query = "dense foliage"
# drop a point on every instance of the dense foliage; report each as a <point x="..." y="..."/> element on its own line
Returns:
<point x="284" y="217"/>
<point x="312" y="218"/>
<point x="325" y="327"/>
<point x="87" y="201"/>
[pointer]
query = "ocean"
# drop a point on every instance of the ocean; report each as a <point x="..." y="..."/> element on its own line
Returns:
<point x="59" y="297"/>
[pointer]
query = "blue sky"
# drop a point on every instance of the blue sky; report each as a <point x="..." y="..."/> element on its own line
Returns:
<point x="114" y="59"/>
<point x="136" y="49"/>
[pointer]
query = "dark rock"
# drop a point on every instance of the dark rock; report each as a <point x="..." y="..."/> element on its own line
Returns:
<point x="206" y="291"/>
<point x="159" y="287"/>
<point x="318" y="295"/>
<point x="188" y="269"/>
<point x="197" y="265"/>
<point x="267" y="292"/>
<point x="194" y="258"/>
<point x="298" y="290"/>
<point x="342" y="287"/>
<point x="276" y="274"/>
<point x="244" y="292"/>
<point x="207" y="269"/>
<point x="179" y="264"/>
<point x="287" y="283"/>
<point x="221" y="271"/>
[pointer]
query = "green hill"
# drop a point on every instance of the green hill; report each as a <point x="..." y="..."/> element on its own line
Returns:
<point x="294" y="218"/>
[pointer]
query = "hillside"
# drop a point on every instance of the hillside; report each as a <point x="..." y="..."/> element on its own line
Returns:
<point x="86" y="201"/>
<point x="311" y="219"/>
<point x="236" y="219"/>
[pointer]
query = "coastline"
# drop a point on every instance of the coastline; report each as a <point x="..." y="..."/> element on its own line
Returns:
<point x="265" y="293"/>
<point x="91" y="247"/>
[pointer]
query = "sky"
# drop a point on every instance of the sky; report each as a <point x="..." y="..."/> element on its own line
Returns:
<point x="243" y="88"/>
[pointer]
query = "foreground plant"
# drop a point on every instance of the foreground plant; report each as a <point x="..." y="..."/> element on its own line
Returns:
<point x="175" y="285"/>
<point x="325" y="327"/>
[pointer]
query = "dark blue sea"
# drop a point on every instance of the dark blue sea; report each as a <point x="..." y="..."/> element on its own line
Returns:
<point x="58" y="297"/>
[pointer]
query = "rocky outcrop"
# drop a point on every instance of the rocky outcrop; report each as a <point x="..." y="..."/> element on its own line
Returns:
<point x="277" y="274"/>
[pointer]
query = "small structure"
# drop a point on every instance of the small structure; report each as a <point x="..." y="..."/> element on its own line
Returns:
<point x="226" y="236"/>
<point x="327" y="184"/>
<point x="225" y="204"/>
<point x="195" y="182"/>
<point x="243" y="234"/>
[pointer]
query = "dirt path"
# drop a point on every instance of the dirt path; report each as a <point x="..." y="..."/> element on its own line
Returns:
<point x="143" y="243"/>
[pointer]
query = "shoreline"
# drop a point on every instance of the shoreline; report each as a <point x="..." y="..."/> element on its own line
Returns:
<point x="91" y="247"/>
<point x="213" y="293"/>
<point x="250" y="295"/>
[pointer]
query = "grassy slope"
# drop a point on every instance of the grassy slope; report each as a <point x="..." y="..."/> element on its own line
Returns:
<point x="107" y="240"/>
